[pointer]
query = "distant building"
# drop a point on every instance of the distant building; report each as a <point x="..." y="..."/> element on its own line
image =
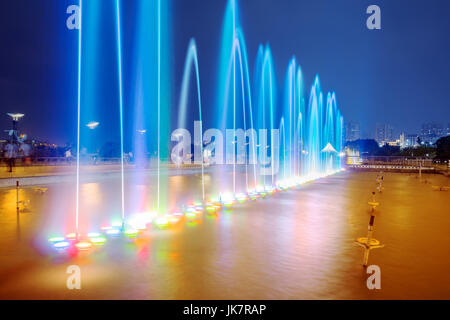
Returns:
<point x="408" y="140"/>
<point x="352" y="131"/>
<point x="431" y="132"/>
<point x="384" y="134"/>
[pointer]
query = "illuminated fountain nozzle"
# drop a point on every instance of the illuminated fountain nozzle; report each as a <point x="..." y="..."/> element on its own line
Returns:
<point x="241" y="197"/>
<point x="63" y="245"/>
<point x="54" y="240"/>
<point x="131" y="233"/>
<point x="253" y="194"/>
<point x="174" y="218"/>
<point x="83" y="245"/>
<point x="162" y="222"/>
<point x="98" y="241"/>
<point x="141" y="221"/>
<point x="71" y="236"/>
<point x="113" y="232"/>
<point x="261" y="191"/>
<point x="213" y="206"/>
<point x="59" y="243"/>
<point x="227" y="200"/>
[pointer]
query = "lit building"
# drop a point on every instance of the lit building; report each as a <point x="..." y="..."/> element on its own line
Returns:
<point x="384" y="133"/>
<point x="393" y="143"/>
<point x="431" y="132"/>
<point x="408" y="140"/>
<point x="352" y="131"/>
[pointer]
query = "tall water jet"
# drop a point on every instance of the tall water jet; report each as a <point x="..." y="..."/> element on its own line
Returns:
<point x="329" y="134"/>
<point x="234" y="92"/>
<point x="300" y="125"/>
<point x="290" y="118"/>
<point x="192" y="60"/>
<point x="77" y="194"/>
<point x="99" y="130"/>
<point x="119" y="66"/>
<point x="151" y="108"/>
<point x="314" y="138"/>
<point x="265" y="87"/>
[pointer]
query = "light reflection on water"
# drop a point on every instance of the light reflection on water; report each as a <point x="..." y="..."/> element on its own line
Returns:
<point x="293" y="245"/>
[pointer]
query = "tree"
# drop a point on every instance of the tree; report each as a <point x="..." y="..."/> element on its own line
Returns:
<point x="369" y="146"/>
<point x="110" y="150"/>
<point x="388" y="150"/>
<point x="420" y="151"/>
<point x="443" y="148"/>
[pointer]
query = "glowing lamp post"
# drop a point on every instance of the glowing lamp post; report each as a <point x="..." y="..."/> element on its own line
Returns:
<point x="15" y="118"/>
<point x="93" y="125"/>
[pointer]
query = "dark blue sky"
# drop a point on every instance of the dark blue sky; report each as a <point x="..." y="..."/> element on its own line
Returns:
<point x="398" y="75"/>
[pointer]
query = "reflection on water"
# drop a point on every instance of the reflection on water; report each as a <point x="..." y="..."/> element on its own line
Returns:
<point x="294" y="245"/>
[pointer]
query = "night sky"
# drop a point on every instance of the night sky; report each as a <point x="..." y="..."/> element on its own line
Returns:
<point x="397" y="75"/>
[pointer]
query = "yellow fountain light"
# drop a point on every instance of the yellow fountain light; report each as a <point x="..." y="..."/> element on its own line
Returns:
<point x="241" y="197"/>
<point x="71" y="236"/>
<point x="56" y="239"/>
<point x="98" y="241"/>
<point x="174" y="218"/>
<point x="131" y="233"/>
<point x="83" y="245"/>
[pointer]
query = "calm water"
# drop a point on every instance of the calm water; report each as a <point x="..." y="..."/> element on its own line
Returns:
<point x="294" y="245"/>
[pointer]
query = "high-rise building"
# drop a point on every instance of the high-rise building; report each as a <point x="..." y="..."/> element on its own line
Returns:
<point x="384" y="133"/>
<point x="408" y="140"/>
<point x="352" y="131"/>
<point x="431" y="132"/>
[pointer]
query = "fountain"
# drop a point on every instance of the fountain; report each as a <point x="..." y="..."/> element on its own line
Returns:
<point x="273" y="142"/>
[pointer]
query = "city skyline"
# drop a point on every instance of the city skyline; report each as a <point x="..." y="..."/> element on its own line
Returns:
<point x="353" y="131"/>
<point x="432" y="129"/>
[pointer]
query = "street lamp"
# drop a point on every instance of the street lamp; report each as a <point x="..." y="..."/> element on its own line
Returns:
<point x="92" y="125"/>
<point x="15" y="118"/>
